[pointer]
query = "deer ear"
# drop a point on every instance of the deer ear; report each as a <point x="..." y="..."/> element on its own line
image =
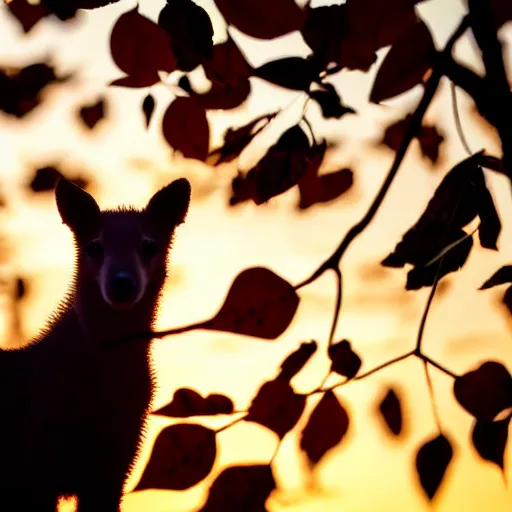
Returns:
<point x="168" y="207"/>
<point x="77" y="209"/>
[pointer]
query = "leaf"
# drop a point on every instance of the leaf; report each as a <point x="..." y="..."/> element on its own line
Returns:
<point x="259" y="303"/>
<point x="263" y="20"/>
<point x="236" y="140"/>
<point x="92" y="114"/>
<point x="502" y="12"/>
<point x="292" y="73"/>
<point x="225" y="97"/>
<point x="185" y="128"/>
<point x="405" y="64"/>
<point x="344" y="360"/>
<point x="187" y="402"/>
<point x="490" y="440"/>
<point x="327" y="426"/>
<point x="322" y="189"/>
<point x="486" y="391"/>
<point x="148" y="107"/>
<point x="330" y="102"/>
<point x="490" y="224"/>
<point x="45" y="179"/>
<point x="227" y="65"/>
<point x="140" y="48"/>
<point x="190" y="31"/>
<point x="277" y="407"/>
<point x="294" y="363"/>
<point x="391" y="411"/>
<point x="26" y="13"/>
<point x="284" y="165"/>
<point x="20" y="289"/>
<point x="501" y="276"/>
<point x="432" y="461"/>
<point x="182" y="456"/>
<point x="507" y="299"/>
<point x="240" y="488"/>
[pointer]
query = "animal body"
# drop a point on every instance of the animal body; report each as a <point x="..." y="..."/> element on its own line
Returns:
<point x="73" y="404"/>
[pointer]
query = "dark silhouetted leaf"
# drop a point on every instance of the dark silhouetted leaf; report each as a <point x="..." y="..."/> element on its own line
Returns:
<point x="294" y="363"/>
<point x="432" y="461"/>
<point x="259" y="303"/>
<point x="148" y="107"/>
<point x="284" y="165"/>
<point x="190" y="31"/>
<point x="21" y="288"/>
<point x="263" y="20"/>
<point x="240" y="488"/>
<point x="236" y="140"/>
<point x="330" y="102"/>
<point x="490" y="440"/>
<point x="140" y="48"/>
<point x="501" y="276"/>
<point x="392" y="412"/>
<point x="26" y="13"/>
<point x="322" y="189"/>
<point x="502" y="11"/>
<point x="507" y="299"/>
<point x="227" y="65"/>
<point x="225" y="97"/>
<point x="486" y="391"/>
<point x="277" y="407"/>
<point x="45" y="179"/>
<point x="185" y="128"/>
<point x="490" y="224"/>
<point x="187" y="402"/>
<point x="92" y="114"/>
<point x="406" y="63"/>
<point x="20" y="88"/>
<point x="182" y="456"/>
<point x="344" y="360"/>
<point x="326" y="428"/>
<point x="292" y="73"/>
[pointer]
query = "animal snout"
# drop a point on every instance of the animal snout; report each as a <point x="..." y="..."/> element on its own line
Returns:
<point x="122" y="288"/>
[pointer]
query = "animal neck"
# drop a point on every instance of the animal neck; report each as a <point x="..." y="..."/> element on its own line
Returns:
<point x="101" y="323"/>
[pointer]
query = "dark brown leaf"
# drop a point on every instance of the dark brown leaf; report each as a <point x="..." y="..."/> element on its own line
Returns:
<point x="486" y="391"/>
<point x="21" y="288"/>
<point x="277" y="407"/>
<point x="185" y="128"/>
<point x="501" y="276"/>
<point x="291" y="72"/>
<point x="344" y="360"/>
<point x="322" y="189"/>
<point x="190" y="31"/>
<point x="507" y="299"/>
<point x="182" y="456"/>
<point x="240" y="488"/>
<point x="45" y="179"/>
<point x="225" y="97"/>
<point x="502" y="11"/>
<point x="330" y="102"/>
<point x="187" y="402"/>
<point x="263" y="20"/>
<point x="432" y="461"/>
<point x="140" y="48"/>
<point x="490" y="224"/>
<point x="405" y="65"/>
<point x="227" y="65"/>
<point x="294" y="363"/>
<point x="26" y="13"/>
<point x="148" y="107"/>
<point x="259" y="303"/>
<point x="235" y="140"/>
<point x="92" y="114"/>
<point x="327" y="426"/>
<point x="391" y="411"/>
<point x="490" y="440"/>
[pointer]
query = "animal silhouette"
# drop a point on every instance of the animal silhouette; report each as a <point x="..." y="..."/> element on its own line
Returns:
<point x="74" y="401"/>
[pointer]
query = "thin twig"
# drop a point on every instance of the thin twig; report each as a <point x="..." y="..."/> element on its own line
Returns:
<point x="432" y="397"/>
<point x="337" y="306"/>
<point x="229" y="425"/>
<point x="458" y="123"/>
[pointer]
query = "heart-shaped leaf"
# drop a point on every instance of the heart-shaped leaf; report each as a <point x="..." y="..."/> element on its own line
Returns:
<point x="187" y="402"/>
<point x="490" y="440"/>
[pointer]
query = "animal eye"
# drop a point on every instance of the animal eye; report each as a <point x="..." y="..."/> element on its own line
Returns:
<point x="94" y="250"/>
<point x="149" y="248"/>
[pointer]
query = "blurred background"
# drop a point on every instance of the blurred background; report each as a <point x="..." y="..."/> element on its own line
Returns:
<point x="124" y="162"/>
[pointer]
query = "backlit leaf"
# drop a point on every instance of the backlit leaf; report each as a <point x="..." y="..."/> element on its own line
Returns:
<point x="501" y="276"/>
<point x="294" y="363"/>
<point x="432" y="461"/>
<point x="391" y="411"/>
<point x="405" y="64"/>
<point x="148" y="106"/>
<point x="187" y="402"/>
<point x="330" y="102"/>
<point x="344" y="360"/>
<point x="92" y="114"/>
<point x="291" y="72"/>
<point x="28" y="14"/>
<point x="185" y="128"/>
<point x="183" y="456"/>
<point x="225" y="97"/>
<point x="485" y="391"/>
<point x="240" y="488"/>
<point x="490" y="440"/>
<point x="327" y="426"/>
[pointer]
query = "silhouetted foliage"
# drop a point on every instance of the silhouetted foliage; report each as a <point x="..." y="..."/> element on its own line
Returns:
<point x="260" y="303"/>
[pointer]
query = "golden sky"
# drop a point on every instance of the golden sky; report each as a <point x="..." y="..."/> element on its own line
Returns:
<point x="368" y="471"/>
